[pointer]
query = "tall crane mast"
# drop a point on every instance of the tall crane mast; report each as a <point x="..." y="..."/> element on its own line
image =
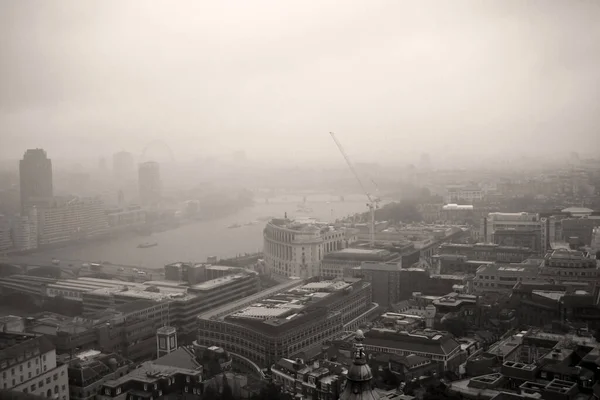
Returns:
<point x="373" y="202"/>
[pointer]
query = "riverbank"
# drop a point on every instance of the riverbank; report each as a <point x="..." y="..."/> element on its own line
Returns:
<point x="190" y="242"/>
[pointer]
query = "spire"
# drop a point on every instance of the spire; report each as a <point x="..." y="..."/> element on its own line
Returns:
<point x="358" y="380"/>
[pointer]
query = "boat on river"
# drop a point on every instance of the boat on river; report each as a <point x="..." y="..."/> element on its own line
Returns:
<point x="147" y="245"/>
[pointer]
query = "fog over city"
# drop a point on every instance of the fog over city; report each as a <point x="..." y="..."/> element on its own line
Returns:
<point x="300" y="199"/>
<point x="394" y="78"/>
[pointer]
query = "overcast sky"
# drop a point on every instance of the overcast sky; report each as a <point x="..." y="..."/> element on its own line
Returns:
<point x="273" y="77"/>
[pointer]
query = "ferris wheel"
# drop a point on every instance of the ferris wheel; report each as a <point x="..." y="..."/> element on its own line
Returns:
<point x="160" y="148"/>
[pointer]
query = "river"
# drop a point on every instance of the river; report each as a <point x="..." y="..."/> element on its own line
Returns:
<point x="198" y="240"/>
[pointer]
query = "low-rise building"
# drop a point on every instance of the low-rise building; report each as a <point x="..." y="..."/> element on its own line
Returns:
<point x="486" y="252"/>
<point x="90" y="369"/>
<point x="28" y="364"/>
<point x="322" y="379"/>
<point x="536" y="364"/>
<point x="125" y="217"/>
<point x="439" y="347"/>
<point x="503" y="277"/>
<point x="179" y="374"/>
<point x="570" y="265"/>
<point x="339" y="264"/>
<point x="128" y="329"/>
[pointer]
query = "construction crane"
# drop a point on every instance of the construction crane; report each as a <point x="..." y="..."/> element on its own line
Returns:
<point x="373" y="202"/>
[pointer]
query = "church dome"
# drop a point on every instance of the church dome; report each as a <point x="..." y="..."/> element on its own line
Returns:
<point x="358" y="381"/>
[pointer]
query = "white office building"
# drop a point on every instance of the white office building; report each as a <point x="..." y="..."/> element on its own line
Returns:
<point x="75" y="219"/>
<point x="295" y="248"/>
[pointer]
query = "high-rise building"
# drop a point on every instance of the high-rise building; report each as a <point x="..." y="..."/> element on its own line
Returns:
<point x="5" y="234"/>
<point x="149" y="183"/>
<point x="123" y="165"/>
<point x="35" y="170"/>
<point x="25" y="230"/>
<point x="28" y="364"/>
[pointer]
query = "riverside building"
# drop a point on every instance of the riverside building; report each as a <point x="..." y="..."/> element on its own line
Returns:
<point x="295" y="248"/>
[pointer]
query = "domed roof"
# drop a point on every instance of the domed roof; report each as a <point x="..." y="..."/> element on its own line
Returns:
<point x="358" y="380"/>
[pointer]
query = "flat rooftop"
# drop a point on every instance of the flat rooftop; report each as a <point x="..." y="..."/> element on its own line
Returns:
<point x="361" y="254"/>
<point x="284" y="307"/>
<point x="231" y="307"/>
<point x="520" y="268"/>
<point x="218" y="282"/>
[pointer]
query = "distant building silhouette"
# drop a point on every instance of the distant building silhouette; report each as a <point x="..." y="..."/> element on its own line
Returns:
<point x="35" y="171"/>
<point x="149" y="183"/>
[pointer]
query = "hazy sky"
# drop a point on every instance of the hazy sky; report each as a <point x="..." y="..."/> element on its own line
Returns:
<point x="389" y="77"/>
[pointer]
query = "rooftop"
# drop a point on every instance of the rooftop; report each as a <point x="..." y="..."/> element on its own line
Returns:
<point x="508" y="269"/>
<point x="424" y="341"/>
<point x="231" y="307"/>
<point x="290" y="306"/>
<point x="218" y="282"/>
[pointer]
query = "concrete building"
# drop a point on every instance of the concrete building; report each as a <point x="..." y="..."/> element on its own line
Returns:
<point x="339" y="264"/>
<point x="295" y="248"/>
<point x="465" y="194"/>
<point x="192" y="273"/>
<point x="595" y="244"/>
<point x="579" y="230"/>
<point x="25" y="231"/>
<point x="503" y="277"/>
<point x="385" y="277"/>
<point x="67" y="220"/>
<point x="6" y="241"/>
<point x="570" y="265"/>
<point x="125" y="217"/>
<point x="286" y="323"/>
<point x="35" y="172"/>
<point x="516" y="229"/>
<point x="129" y="329"/>
<point x="28" y="364"/>
<point x="150" y="186"/>
<point x="486" y="252"/>
<point x="184" y="302"/>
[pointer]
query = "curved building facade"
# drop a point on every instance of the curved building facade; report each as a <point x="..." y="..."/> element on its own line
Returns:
<point x="296" y="247"/>
<point x="287" y="323"/>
